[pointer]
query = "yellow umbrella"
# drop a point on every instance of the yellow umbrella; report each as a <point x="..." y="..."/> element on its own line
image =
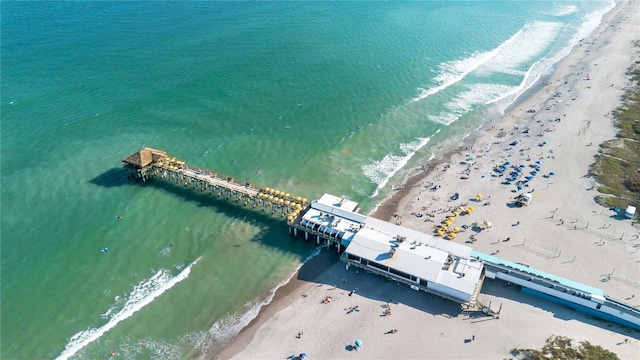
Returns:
<point x="452" y="235"/>
<point x="456" y="229"/>
<point x="472" y="208"/>
<point x="455" y="213"/>
<point x="479" y="196"/>
<point x="469" y="210"/>
<point x="451" y="218"/>
<point x="440" y="233"/>
<point x="447" y="222"/>
<point x="444" y="228"/>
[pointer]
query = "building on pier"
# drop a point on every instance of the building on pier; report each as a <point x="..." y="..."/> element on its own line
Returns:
<point x="582" y="297"/>
<point x="422" y="261"/>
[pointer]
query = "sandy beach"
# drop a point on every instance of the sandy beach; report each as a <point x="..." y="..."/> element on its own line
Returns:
<point x="557" y="130"/>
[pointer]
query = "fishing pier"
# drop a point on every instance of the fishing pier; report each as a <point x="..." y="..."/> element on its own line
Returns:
<point x="424" y="262"/>
<point x="149" y="163"/>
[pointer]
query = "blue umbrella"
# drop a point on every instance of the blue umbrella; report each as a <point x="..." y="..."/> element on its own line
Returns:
<point x="519" y="187"/>
<point x="303" y="356"/>
<point x="538" y="162"/>
<point x="358" y="343"/>
<point x="552" y="173"/>
<point x="521" y="165"/>
<point x="507" y="163"/>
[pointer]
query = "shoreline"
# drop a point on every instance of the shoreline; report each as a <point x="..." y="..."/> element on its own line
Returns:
<point x="403" y="202"/>
<point x="303" y="280"/>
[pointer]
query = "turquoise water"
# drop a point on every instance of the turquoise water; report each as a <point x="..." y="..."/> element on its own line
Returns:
<point x="282" y="94"/>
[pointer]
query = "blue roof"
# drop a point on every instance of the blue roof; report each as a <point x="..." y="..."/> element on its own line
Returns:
<point x="560" y="280"/>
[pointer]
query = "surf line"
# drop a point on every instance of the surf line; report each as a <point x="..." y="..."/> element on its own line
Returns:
<point x="86" y="337"/>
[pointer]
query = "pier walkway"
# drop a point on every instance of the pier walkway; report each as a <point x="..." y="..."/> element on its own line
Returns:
<point x="425" y="262"/>
<point x="149" y="163"/>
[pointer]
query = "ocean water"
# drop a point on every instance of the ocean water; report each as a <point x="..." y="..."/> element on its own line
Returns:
<point x="306" y="97"/>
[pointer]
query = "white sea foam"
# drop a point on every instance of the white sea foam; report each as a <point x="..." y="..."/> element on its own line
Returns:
<point x="464" y="102"/>
<point x="563" y="10"/>
<point x="522" y="48"/>
<point x="223" y="331"/>
<point x="379" y="172"/>
<point x="142" y="295"/>
<point x="590" y="23"/>
<point x="452" y="72"/>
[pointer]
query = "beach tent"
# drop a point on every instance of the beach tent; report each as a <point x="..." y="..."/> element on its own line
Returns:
<point x="486" y="224"/>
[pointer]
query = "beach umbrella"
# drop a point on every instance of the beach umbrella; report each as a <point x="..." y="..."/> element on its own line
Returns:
<point x="507" y="163"/>
<point x="440" y="233"/>
<point x="456" y="229"/>
<point x="447" y="222"/>
<point x="358" y="343"/>
<point x="552" y="173"/>
<point x="519" y="187"/>
<point x="471" y="208"/>
<point x="451" y="218"/>
<point x="455" y="213"/>
<point x="452" y="235"/>
<point x="521" y="165"/>
<point x="303" y="356"/>
<point x="479" y="196"/>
